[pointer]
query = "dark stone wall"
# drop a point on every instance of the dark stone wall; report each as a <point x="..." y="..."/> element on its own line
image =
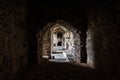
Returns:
<point x="13" y="37"/>
<point x="104" y="21"/>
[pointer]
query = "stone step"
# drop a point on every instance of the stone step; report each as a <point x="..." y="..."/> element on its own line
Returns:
<point x="58" y="60"/>
<point x="58" y="56"/>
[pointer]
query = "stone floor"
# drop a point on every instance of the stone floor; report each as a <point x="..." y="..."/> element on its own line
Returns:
<point x="58" y="56"/>
<point x="64" y="56"/>
<point x="58" y="60"/>
<point x="59" y="71"/>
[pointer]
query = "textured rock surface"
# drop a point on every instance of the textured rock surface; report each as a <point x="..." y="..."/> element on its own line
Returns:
<point x="105" y="25"/>
<point x="13" y="40"/>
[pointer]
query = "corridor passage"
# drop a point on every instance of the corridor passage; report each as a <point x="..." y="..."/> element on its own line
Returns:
<point x="59" y="71"/>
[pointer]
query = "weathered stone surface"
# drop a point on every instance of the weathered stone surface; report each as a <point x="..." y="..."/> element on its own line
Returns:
<point x="90" y="47"/>
<point x="106" y="39"/>
<point x="13" y="55"/>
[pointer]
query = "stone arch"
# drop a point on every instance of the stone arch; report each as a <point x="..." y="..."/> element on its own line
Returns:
<point x="44" y="39"/>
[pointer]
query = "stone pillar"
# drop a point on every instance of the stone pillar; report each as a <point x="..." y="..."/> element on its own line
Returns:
<point x="89" y="47"/>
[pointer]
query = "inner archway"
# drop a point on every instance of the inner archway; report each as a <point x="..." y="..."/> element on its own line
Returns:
<point x="59" y="39"/>
<point x="62" y="42"/>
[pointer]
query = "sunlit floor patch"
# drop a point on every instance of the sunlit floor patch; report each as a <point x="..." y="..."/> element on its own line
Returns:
<point x="58" y="57"/>
<point x="58" y="60"/>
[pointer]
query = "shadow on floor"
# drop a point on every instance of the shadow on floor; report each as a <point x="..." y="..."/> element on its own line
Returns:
<point x="59" y="71"/>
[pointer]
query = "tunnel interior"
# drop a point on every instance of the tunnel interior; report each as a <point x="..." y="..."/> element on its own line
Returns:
<point x="34" y="32"/>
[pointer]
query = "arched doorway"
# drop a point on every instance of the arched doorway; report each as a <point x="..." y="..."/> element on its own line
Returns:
<point x="59" y="39"/>
<point x="62" y="37"/>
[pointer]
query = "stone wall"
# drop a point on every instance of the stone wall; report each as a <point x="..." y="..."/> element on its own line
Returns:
<point x="47" y="43"/>
<point x="13" y="39"/>
<point x="104" y="21"/>
<point x="90" y="47"/>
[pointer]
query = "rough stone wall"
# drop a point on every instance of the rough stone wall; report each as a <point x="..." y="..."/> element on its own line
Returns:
<point x="77" y="44"/>
<point x="13" y="40"/>
<point x="47" y="43"/>
<point x="43" y="43"/>
<point x="105" y="24"/>
<point x="89" y="47"/>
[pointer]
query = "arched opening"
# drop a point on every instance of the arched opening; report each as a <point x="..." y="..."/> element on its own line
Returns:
<point x="59" y="38"/>
<point x="60" y="42"/>
<point x="59" y="35"/>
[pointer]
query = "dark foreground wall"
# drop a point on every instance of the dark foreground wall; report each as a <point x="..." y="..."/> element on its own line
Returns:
<point x="105" y="22"/>
<point x="13" y="40"/>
